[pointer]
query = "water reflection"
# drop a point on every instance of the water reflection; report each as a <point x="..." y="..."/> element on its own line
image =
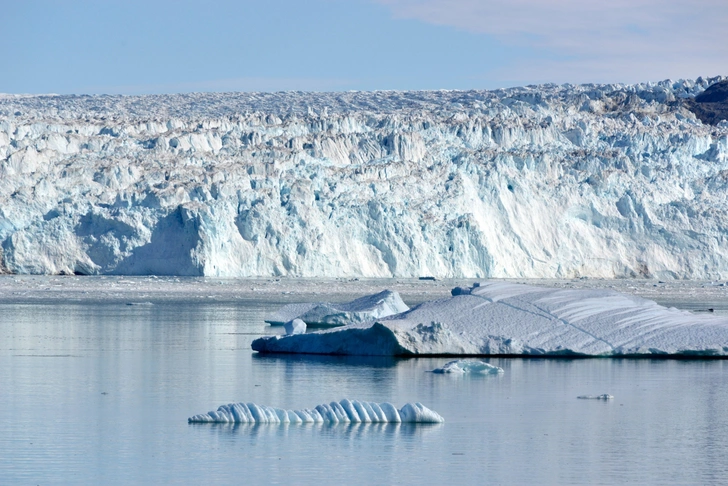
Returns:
<point x="353" y="431"/>
<point x="337" y="361"/>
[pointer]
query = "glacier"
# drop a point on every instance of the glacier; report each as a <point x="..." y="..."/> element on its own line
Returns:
<point x="363" y="309"/>
<point x="503" y="318"/>
<point x="345" y="411"/>
<point x="550" y="181"/>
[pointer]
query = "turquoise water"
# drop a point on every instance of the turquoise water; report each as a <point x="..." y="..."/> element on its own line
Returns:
<point x="96" y="393"/>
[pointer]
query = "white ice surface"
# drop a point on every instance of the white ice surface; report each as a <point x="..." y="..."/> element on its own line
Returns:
<point x="469" y="366"/>
<point x="345" y="411"/>
<point x="500" y="318"/>
<point x="296" y="326"/>
<point x="543" y="182"/>
<point x="364" y="309"/>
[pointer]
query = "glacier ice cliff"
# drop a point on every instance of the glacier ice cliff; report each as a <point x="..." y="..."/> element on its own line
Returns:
<point x="540" y="181"/>
<point x="345" y="411"/>
<point x="501" y="318"/>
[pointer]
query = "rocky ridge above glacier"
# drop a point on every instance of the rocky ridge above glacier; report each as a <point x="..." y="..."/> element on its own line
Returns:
<point x="541" y="181"/>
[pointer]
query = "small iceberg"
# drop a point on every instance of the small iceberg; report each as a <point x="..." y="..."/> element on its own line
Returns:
<point x="503" y="318"/>
<point x="296" y="326"/>
<point x="604" y="396"/>
<point x="470" y="366"/>
<point x="345" y="411"/>
<point x="323" y="314"/>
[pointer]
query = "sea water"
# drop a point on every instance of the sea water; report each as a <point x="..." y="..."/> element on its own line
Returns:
<point x="97" y="391"/>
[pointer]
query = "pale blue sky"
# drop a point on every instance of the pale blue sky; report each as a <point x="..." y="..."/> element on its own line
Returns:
<point x="160" y="46"/>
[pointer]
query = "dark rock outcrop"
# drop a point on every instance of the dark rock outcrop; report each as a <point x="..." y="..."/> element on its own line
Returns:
<point x="711" y="106"/>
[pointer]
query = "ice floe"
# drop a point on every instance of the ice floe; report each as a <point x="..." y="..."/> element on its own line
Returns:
<point x="501" y="318"/>
<point x="363" y="309"/>
<point x="604" y="396"/>
<point x="470" y="366"/>
<point x="345" y="411"/>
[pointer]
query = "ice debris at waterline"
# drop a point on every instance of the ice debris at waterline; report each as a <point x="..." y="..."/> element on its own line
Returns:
<point x="469" y="366"/>
<point x="345" y="411"/>
<point x="604" y="396"/>
<point x="500" y="318"/>
<point x="551" y="181"/>
<point x="363" y="309"/>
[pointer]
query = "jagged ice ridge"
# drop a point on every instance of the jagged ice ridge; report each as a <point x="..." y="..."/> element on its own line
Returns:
<point x="541" y="181"/>
<point x="363" y="309"/>
<point x="345" y="411"/>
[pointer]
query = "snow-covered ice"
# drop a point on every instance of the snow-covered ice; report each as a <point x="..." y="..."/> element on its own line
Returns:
<point x="469" y="366"/>
<point x="363" y="309"/>
<point x="345" y="411"/>
<point x="541" y="182"/>
<point x="501" y="318"/>
<point x="296" y="326"/>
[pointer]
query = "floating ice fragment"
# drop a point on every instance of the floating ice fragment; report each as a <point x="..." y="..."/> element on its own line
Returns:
<point x="470" y="366"/>
<point x="502" y="318"/>
<point x="296" y="326"/>
<point x="367" y="308"/>
<point x="345" y="411"/>
<point x="605" y="396"/>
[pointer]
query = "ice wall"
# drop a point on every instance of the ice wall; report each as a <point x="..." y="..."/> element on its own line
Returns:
<point x="547" y="181"/>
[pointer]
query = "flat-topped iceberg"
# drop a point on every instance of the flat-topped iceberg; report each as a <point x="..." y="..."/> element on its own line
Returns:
<point x="500" y="318"/>
<point x="345" y="411"/>
<point x="468" y="366"/>
<point x="363" y="309"/>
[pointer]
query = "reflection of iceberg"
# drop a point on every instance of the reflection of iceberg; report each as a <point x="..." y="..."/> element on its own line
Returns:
<point x="469" y="366"/>
<point x="368" y="308"/>
<point x="345" y="411"/>
<point x="499" y="318"/>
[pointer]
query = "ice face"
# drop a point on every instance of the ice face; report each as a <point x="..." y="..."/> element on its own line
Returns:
<point x="364" y="309"/>
<point x="296" y="326"/>
<point x="345" y="411"/>
<point x="469" y="366"/>
<point x="500" y="318"/>
<point x="550" y="181"/>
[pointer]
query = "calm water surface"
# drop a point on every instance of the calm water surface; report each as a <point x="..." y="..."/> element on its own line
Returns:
<point x="100" y="393"/>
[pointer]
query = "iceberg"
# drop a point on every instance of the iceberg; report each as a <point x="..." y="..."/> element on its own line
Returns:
<point x="502" y="318"/>
<point x="469" y="366"/>
<point x="345" y="411"/>
<point x="368" y="308"/>
<point x="296" y="326"/>
<point x="604" y="396"/>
